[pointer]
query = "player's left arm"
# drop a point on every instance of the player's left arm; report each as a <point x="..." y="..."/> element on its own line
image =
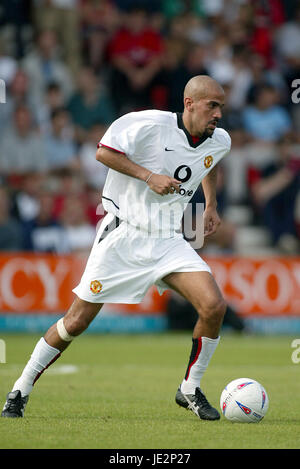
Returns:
<point x="210" y="216"/>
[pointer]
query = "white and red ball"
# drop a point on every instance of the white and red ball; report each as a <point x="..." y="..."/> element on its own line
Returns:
<point x="244" y="400"/>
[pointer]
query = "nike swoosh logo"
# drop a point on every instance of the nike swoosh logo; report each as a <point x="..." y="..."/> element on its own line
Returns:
<point x="167" y="149"/>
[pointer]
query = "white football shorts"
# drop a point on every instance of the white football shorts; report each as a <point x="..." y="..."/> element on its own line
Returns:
<point x="123" y="263"/>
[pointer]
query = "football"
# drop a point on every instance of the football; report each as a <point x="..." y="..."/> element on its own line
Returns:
<point x="244" y="400"/>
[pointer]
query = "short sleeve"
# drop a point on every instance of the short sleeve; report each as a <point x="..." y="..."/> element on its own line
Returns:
<point x="116" y="136"/>
<point x="225" y="139"/>
<point x="130" y="136"/>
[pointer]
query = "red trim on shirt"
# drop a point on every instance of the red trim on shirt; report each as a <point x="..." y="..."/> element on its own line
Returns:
<point x="110" y="148"/>
<point x="195" y="139"/>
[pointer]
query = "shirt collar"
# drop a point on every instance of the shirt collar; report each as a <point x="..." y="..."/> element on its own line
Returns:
<point x="193" y="141"/>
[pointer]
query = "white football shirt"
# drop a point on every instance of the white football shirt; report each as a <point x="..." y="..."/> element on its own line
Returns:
<point x="158" y="141"/>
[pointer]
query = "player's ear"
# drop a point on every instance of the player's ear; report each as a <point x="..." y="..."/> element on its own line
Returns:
<point x="188" y="103"/>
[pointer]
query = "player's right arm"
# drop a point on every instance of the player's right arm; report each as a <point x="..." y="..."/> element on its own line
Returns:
<point x="159" y="183"/>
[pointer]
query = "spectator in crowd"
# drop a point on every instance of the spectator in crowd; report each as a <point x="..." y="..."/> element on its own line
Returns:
<point x="135" y="55"/>
<point x="79" y="233"/>
<point x="16" y="17"/>
<point x="176" y="43"/>
<point x="241" y="79"/>
<point x="94" y="171"/>
<point x="219" y="57"/>
<point x="99" y="21"/>
<point x="266" y="120"/>
<point x="22" y="149"/>
<point x="261" y="75"/>
<point x="43" y="66"/>
<point x="266" y="18"/>
<point x="198" y="29"/>
<point x="90" y="103"/>
<point x="236" y="169"/>
<point x="8" y="64"/>
<point x="43" y="233"/>
<point x="26" y="195"/>
<point x="286" y="43"/>
<point x="61" y="16"/>
<point x="10" y="229"/>
<point x="287" y="39"/>
<point x="53" y="99"/>
<point x="60" y="147"/>
<point x="274" y="193"/>
<point x="66" y="182"/>
<point x="177" y="77"/>
<point x="16" y="95"/>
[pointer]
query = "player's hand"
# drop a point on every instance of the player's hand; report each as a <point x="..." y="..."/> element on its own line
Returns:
<point x="163" y="185"/>
<point x="211" y="221"/>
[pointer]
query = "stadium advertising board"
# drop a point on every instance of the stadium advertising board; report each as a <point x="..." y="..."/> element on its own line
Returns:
<point x="38" y="285"/>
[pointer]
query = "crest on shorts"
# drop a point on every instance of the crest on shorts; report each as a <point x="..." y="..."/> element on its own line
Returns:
<point x="95" y="286"/>
<point x="208" y="160"/>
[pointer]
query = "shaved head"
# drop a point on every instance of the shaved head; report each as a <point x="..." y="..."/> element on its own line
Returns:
<point x="203" y="101"/>
<point x="202" y="86"/>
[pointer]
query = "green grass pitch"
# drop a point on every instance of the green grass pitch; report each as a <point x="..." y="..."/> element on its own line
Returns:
<point x="119" y="394"/>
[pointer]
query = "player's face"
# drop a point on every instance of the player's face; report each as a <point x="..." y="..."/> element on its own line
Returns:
<point x="206" y="113"/>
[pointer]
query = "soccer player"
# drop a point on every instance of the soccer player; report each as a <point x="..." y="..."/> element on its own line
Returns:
<point x="157" y="160"/>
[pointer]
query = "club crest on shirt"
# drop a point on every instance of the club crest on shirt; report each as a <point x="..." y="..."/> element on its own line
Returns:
<point x="208" y="160"/>
<point x="95" y="286"/>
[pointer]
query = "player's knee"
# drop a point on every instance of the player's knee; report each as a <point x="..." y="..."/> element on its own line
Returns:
<point x="213" y="310"/>
<point x="221" y="308"/>
<point x="77" y="319"/>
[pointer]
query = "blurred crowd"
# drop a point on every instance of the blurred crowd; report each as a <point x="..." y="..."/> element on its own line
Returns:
<point x="73" y="66"/>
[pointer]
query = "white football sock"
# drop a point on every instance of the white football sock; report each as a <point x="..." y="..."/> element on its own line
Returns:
<point x="202" y="351"/>
<point x="42" y="356"/>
